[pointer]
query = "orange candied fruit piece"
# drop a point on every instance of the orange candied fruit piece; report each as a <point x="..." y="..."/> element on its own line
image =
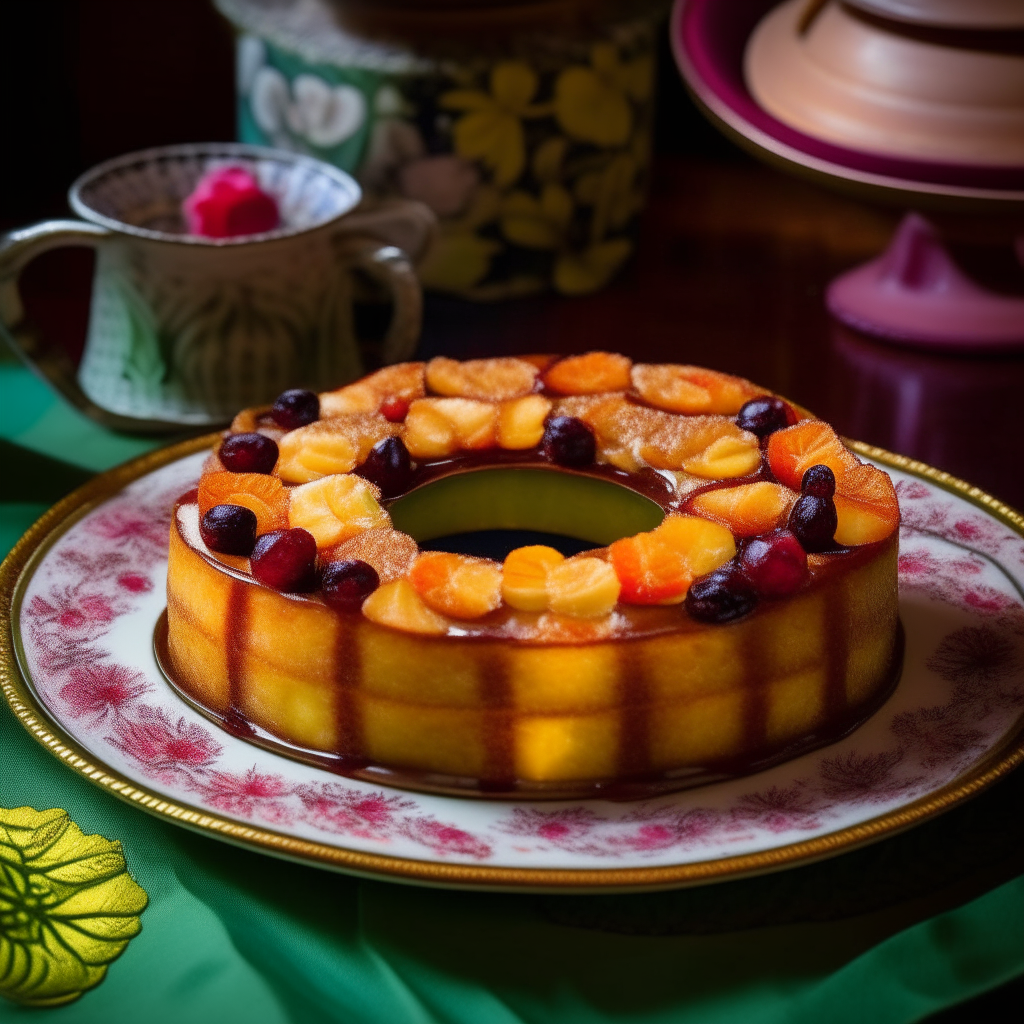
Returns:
<point x="590" y="374"/>
<point x="691" y="389"/>
<point x="265" y="495"/>
<point x="792" y="451"/>
<point x="658" y="567"/>
<point x="457" y="585"/>
<point x="866" y="506"/>
<point x="495" y="380"/>
<point x="748" y="509"/>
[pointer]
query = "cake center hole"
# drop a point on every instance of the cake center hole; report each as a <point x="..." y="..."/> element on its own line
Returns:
<point x="488" y="512"/>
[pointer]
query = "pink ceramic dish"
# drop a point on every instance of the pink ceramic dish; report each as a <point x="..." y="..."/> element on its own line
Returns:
<point x="709" y="38"/>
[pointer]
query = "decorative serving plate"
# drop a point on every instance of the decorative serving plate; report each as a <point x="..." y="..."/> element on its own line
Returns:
<point x="81" y="593"/>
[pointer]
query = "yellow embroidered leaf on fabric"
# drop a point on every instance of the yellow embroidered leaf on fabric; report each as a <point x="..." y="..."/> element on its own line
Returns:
<point x="68" y="907"/>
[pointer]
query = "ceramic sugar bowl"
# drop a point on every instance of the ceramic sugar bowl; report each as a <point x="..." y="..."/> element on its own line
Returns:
<point x="186" y="329"/>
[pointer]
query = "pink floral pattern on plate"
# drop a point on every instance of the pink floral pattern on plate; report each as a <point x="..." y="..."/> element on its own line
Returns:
<point x="87" y="620"/>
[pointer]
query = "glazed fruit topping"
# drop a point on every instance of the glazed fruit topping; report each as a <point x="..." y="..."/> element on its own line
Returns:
<point x="590" y="374"/>
<point x="263" y="494"/>
<point x="819" y="482"/>
<point x="721" y="596"/>
<point x="658" y="567"/>
<point x="776" y="563"/>
<point x="436" y="427"/>
<point x="457" y="585"/>
<point x="690" y="389"/>
<point x="336" y="508"/>
<point x="813" y="521"/>
<point x="295" y="408"/>
<point x="248" y="453"/>
<point x="394" y="410"/>
<point x="229" y="529"/>
<point x="748" y="510"/>
<point x="583" y="587"/>
<point x="568" y="441"/>
<point x="763" y="416"/>
<point x="493" y="380"/>
<point x="865" y="499"/>
<point x="524" y="576"/>
<point x="347" y="584"/>
<point x="388" y="466"/>
<point x="521" y="422"/>
<point x="286" y="561"/>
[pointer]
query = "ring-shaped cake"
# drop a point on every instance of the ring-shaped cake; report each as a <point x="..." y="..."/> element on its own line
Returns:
<point x="739" y="606"/>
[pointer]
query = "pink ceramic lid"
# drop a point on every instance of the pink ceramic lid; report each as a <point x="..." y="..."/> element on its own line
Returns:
<point x="709" y="38"/>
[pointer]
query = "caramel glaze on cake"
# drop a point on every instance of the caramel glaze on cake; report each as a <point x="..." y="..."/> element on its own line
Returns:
<point x="526" y="703"/>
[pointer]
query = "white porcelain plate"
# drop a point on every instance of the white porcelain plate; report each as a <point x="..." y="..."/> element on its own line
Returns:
<point x="86" y="587"/>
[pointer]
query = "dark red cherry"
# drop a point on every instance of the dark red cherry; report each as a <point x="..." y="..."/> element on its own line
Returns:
<point x="819" y="482"/>
<point x="814" y="522"/>
<point x="346" y="585"/>
<point x="721" y="596"/>
<point x="568" y="441"/>
<point x="763" y="416"/>
<point x="248" y="453"/>
<point x="776" y="563"/>
<point x="229" y="529"/>
<point x="388" y="466"/>
<point x="295" y="408"/>
<point x="285" y="560"/>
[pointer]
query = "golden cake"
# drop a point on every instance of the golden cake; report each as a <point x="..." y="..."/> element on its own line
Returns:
<point x="739" y="605"/>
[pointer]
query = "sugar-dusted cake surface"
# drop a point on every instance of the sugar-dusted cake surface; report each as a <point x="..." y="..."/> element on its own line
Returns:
<point x="710" y="631"/>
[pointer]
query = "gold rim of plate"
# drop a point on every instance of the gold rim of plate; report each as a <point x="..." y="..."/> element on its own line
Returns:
<point x="22" y="559"/>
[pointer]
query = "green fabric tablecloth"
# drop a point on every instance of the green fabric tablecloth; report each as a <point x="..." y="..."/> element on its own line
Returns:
<point x="235" y="936"/>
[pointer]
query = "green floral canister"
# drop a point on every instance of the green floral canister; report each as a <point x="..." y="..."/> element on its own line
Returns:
<point x="525" y="127"/>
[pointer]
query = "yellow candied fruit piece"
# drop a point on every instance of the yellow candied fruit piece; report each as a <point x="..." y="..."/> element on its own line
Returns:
<point x="521" y="422"/>
<point x="726" y="458"/>
<point x="583" y="587"/>
<point x="524" y="581"/>
<point x="399" y="606"/>
<point x="335" y="508"/>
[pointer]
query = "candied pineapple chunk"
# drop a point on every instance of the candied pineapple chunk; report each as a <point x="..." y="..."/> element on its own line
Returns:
<point x="335" y="508"/>
<point x="398" y="605"/>
<point x="726" y="458"/>
<point x="435" y="427"/>
<point x="521" y="422"/>
<point x="403" y="381"/>
<point x="582" y="587"/>
<point x="331" y="446"/>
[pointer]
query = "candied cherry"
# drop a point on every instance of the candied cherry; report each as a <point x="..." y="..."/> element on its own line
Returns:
<point x="248" y="453"/>
<point x="721" y="596"/>
<point x="295" y="408"/>
<point x="568" y="441"/>
<point x="388" y="466"/>
<point x="819" y="482"/>
<point x="763" y="416"/>
<point x="229" y="529"/>
<point x="285" y="560"/>
<point x="394" y="410"/>
<point x="814" y="521"/>
<point x="347" y="584"/>
<point x="775" y="563"/>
